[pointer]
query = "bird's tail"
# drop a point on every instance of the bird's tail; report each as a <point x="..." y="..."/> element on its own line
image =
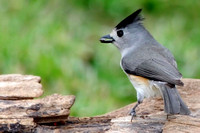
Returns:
<point x="172" y="101"/>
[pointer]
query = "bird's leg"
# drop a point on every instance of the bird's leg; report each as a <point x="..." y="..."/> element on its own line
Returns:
<point x="139" y="100"/>
<point x="132" y="112"/>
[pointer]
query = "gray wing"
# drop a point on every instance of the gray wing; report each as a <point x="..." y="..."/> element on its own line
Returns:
<point x="167" y="54"/>
<point x="154" y="69"/>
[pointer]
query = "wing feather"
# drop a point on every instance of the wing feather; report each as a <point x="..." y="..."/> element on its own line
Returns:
<point x="154" y="69"/>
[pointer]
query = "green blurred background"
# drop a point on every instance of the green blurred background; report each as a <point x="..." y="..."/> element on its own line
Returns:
<point x="59" y="41"/>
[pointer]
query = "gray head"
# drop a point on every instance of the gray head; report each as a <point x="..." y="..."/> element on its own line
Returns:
<point x="128" y="33"/>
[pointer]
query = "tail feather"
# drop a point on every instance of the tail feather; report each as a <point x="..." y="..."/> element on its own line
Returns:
<point x="173" y="103"/>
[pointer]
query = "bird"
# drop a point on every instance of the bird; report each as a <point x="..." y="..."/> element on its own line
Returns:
<point x="150" y="67"/>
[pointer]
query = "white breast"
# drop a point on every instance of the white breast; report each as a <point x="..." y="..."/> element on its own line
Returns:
<point x="144" y="87"/>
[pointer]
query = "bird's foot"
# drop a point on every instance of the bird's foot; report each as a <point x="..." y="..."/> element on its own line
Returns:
<point x="132" y="113"/>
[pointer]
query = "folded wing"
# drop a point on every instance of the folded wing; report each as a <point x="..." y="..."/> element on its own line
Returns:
<point x="155" y="69"/>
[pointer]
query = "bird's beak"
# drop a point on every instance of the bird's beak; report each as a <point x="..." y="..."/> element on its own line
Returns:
<point x="106" y="39"/>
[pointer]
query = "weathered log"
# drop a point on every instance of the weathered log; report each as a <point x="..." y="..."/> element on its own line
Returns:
<point x="16" y="86"/>
<point x="17" y="125"/>
<point x="21" y="121"/>
<point x="150" y="117"/>
<point x="19" y="78"/>
<point x="46" y="108"/>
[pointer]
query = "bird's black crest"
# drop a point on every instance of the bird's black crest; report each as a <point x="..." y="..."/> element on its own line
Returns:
<point x="134" y="17"/>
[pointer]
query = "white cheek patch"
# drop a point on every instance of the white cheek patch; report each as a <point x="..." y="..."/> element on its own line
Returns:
<point x="113" y="34"/>
<point x="119" y="41"/>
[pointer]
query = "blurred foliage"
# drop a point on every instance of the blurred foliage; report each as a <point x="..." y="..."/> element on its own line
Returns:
<point x="59" y="41"/>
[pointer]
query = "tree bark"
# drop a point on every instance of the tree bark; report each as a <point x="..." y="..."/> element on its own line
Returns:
<point x="16" y="86"/>
<point x="50" y="114"/>
<point x="150" y="117"/>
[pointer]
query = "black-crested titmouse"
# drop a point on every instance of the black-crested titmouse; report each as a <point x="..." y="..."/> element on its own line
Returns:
<point x="150" y="66"/>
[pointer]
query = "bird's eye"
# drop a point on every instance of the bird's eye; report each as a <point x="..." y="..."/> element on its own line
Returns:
<point x="120" y="33"/>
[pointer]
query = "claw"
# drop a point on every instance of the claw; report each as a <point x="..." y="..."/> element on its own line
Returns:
<point x="133" y="114"/>
<point x="132" y="118"/>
